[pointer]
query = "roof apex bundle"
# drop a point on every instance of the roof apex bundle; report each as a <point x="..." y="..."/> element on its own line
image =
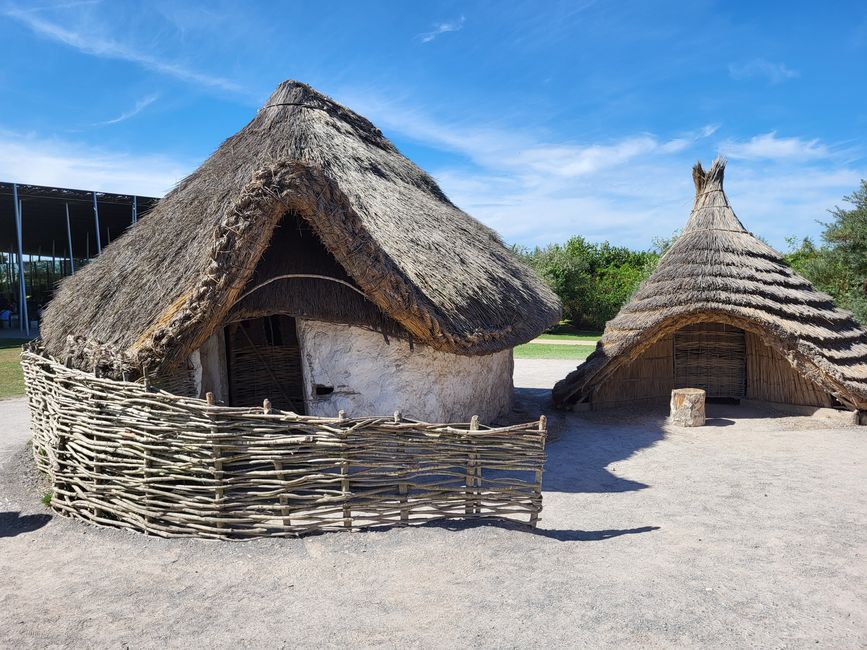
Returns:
<point x="716" y="271"/>
<point x="157" y="293"/>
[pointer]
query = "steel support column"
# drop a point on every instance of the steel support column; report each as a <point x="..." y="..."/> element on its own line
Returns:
<point x="23" y="318"/>
<point x="96" y="220"/>
<point x="69" y="241"/>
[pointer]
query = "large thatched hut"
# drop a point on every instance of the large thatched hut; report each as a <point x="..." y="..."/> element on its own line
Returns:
<point x="307" y="261"/>
<point x="723" y="312"/>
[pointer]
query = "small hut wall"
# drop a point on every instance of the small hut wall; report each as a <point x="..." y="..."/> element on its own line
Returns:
<point x="360" y="371"/>
<point x="649" y="378"/>
<point x="771" y="378"/>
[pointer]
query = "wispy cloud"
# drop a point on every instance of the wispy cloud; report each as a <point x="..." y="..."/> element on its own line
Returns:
<point x="26" y="158"/>
<point x="521" y="152"/>
<point x="534" y="191"/>
<point x="140" y="105"/>
<point x="94" y="43"/>
<point x="442" y="28"/>
<point x="761" y="68"/>
<point x="769" y="146"/>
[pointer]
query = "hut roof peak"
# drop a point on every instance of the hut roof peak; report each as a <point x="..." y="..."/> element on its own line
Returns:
<point x="290" y="95"/>
<point x="418" y="260"/>
<point x="296" y="93"/>
<point x="711" y="209"/>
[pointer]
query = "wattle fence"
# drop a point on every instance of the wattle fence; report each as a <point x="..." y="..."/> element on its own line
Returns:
<point x="120" y="454"/>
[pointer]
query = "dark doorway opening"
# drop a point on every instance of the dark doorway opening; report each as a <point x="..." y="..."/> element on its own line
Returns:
<point x="264" y="362"/>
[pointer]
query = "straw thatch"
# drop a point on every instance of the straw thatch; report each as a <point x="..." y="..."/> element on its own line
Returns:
<point x="718" y="272"/>
<point x="402" y="257"/>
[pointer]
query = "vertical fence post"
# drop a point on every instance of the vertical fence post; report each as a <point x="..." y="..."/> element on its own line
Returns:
<point x="147" y="464"/>
<point x="344" y="477"/>
<point x="285" y="512"/>
<point x="219" y="492"/>
<point x="402" y="487"/>
<point x="469" y="506"/>
<point x="537" y="490"/>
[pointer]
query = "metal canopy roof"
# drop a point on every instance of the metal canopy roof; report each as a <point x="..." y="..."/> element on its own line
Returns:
<point x="43" y="218"/>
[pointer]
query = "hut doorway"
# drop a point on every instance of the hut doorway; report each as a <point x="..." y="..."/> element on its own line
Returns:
<point x="263" y="358"/>
<point x="711" y="356"/>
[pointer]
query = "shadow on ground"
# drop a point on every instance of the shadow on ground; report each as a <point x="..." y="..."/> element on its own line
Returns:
<point x="583" y="449"/>
<point x="13" y="523"/>
<point x="558" y="535"/>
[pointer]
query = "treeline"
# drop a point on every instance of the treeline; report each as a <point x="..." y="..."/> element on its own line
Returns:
<point x="838" y="265"/>
<point x="595" y="280"/>
<point x="592" y="280"/>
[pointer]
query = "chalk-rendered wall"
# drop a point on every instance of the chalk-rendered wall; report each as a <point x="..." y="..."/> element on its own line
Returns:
<point x="372" y="377"/>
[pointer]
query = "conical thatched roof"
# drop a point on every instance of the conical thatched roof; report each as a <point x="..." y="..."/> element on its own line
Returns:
<point x="717" y="271"/>
<point x="156" y="293"/>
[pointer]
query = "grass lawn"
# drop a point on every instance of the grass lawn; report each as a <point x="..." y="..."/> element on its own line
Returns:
<point x="589" y="336"/>
<point x="11" y="377"/>
<point x="542" y="351"/>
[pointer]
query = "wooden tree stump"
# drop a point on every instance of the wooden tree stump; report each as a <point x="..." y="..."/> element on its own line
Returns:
<point x="687" y="407"/>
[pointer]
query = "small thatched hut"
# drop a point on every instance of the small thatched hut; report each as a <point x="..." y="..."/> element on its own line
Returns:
<point x="309" y="262"/>
<point x="723" y="312"/>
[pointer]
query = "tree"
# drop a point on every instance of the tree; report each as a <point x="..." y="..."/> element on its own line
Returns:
<point x="592" y="280"/>
<point x="839" y="265"/>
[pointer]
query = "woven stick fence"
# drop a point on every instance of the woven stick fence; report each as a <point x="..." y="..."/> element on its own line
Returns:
<point x="122" y="455"/>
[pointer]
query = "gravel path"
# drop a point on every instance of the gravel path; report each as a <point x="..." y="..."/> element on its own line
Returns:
<point x="749" y="532"/>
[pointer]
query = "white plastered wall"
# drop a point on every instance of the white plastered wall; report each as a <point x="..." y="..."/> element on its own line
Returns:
<point x="371" y="377"/>
<point x="209" y="367"/>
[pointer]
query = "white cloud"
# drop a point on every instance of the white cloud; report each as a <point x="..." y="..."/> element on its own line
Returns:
<point x="90" y="40"/>
<point x="534" y="191"/>
<point x="140" y="105"/>
<point x="760" y="68"/>
<point x="30" y="159"/>
<point x="442" y="28"/>
<point x="520" y="153"/>
<point x="769" y="146"/>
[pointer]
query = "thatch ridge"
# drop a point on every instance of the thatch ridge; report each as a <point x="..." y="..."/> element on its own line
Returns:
<point x="157" y="292"/>
<point x="717" y="271"/>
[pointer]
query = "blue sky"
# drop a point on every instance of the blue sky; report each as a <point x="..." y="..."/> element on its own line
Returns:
<point x="542" y="119"/>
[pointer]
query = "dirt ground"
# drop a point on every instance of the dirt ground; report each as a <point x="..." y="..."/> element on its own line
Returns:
<point x="749" y="532"/>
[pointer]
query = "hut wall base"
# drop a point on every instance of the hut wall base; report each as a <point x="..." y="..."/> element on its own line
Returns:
<point x="834" y="416"/>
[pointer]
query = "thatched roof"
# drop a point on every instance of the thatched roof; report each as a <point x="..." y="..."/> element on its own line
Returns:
<point x="157" y="293"/>
<point x="717" y="271"/>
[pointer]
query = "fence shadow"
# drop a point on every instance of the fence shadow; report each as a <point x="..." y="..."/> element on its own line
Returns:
<point x="583" y="448"/>
<point x="455" y="525"/>
<point x="12" y="523"/>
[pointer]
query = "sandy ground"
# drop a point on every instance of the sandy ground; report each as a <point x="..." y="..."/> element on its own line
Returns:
<point x="750" y="532"/>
